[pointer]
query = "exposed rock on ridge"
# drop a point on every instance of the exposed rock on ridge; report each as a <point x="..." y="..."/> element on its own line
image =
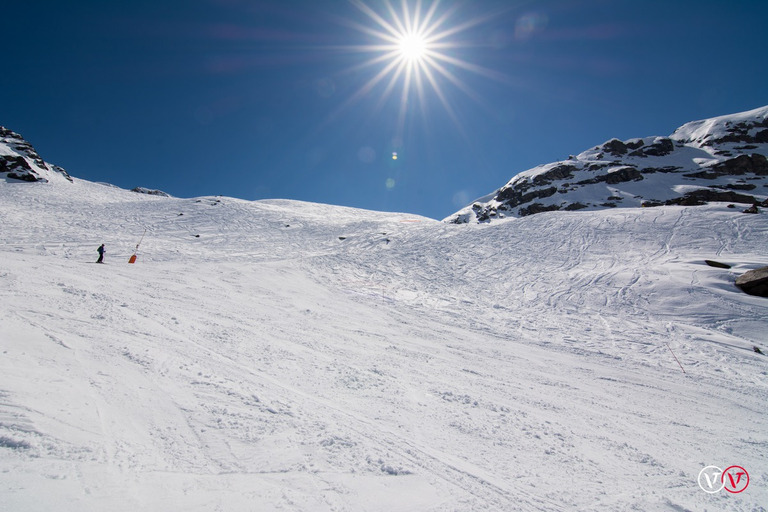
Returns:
<point x="20" y="161"/>
<point x="718" y="159"/>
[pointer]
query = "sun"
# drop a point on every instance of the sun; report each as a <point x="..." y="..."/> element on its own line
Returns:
<point x="415" y="49"/>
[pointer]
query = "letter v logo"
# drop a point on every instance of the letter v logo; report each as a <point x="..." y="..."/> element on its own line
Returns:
<point x="710" y="479"/>
<point x="737" y="481"/>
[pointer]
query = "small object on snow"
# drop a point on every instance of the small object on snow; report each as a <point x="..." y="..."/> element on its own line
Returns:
<point x="757" y="349"/>
<point x="132" y="259"/>
<point x="342" y="238"/>
<point x="676" y="359"/>
<point x="754" y="282"/>
<point x="716" y="264"/>
<point x="731" y="206"/>
<point x="752" y="209"/>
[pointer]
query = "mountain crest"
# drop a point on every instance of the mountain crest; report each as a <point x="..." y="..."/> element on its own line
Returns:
<point x="718" y="159"/>
<point x="20" y="161"/>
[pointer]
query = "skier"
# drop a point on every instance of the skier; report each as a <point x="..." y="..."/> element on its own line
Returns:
<point x="101" y="250"/>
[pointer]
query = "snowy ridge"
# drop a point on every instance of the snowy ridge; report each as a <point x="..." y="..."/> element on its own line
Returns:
<point x="719" y="159"/>
<point x="20" y="161"/>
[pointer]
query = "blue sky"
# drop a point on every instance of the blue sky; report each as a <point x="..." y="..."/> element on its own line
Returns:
<point x="265" y="99"/>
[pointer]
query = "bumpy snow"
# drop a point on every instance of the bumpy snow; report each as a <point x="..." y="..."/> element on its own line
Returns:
<point x="278" y="355"/>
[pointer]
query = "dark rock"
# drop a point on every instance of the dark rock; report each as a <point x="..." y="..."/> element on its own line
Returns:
<point x="537" y="208"/>
<point x="666" y="169"/>
<point x="14" y="164"/>
<point x="29" y="176"/>
<point x="513" y="197"/>
<point x="702" y="175"/>
<point x="623" y="175"/>
<point x="574" y="206"/>
<point x="716" y="264"/>
<point x="754" y="282"/>
<point x="740" y="133"/>
<point x="661" y="146"/>
<point x="615" y="147"/>
<point x="752" y="209"/>
<point x="736" y="186"/>
<point x="703" y="196"/>
<point x="61" y="171"/>
<point x="142" y="190"/>
<point x="755" y="164"/>
<point x="559" y="172"/>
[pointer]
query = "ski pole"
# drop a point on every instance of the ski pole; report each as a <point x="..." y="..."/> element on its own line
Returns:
<point x="141" y="239"/>
<point x="673" y="355"/>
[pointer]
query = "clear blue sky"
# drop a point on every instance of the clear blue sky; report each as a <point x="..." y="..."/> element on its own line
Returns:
<point x="268" y="99"/>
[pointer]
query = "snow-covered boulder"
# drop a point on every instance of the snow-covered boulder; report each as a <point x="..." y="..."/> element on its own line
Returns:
<point x="754" y="282"/>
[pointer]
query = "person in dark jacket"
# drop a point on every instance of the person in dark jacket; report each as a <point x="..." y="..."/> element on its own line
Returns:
<point x="101" y="250"/>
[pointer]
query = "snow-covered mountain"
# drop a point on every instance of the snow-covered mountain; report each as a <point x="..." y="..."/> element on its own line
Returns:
<point x="19" y="160"/>
<point x="719" y="159"/>
<point x="276" y="355"/>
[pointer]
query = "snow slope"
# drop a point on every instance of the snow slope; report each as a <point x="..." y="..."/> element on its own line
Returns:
<point x="277" y="355"/>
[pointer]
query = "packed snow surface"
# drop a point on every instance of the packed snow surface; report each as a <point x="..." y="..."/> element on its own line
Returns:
<point x="278" y="355"/>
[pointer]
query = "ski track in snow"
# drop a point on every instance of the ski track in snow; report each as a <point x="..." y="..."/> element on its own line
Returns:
<point x="278" y="355"/>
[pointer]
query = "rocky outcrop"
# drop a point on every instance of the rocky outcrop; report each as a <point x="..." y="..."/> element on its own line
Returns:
<point x="719" y="159"/>
<point x="703" y="196"/>
<point x="741" y="165"/>
<point x="142" y="190"/>
<point x="754" y="282"/>
<point x="661" y="146"/>
<point x="20" y="161"/>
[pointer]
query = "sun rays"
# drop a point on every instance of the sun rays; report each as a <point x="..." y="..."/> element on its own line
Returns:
<point x="413" y="53"/>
